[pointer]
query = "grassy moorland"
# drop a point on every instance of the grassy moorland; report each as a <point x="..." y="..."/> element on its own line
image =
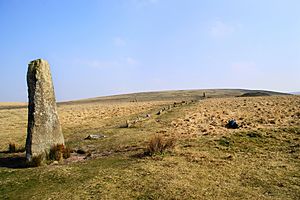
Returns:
<point x="259" y="160"/>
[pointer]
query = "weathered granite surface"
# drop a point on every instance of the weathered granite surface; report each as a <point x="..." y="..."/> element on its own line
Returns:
<point x="44" y="129"/>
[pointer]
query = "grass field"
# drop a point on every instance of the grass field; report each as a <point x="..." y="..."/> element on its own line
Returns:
<point x="260" y="160"/>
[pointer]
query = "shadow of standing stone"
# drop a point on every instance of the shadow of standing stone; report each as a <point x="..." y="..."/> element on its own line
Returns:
<point x="44" y="130"/>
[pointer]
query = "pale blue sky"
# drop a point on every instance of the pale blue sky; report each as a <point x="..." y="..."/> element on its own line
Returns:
<point x="106" y="47"/>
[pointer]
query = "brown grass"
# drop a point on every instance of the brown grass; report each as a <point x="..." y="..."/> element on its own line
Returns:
<point x="59" y="152"/>
<point x="74" y="118"/>
<point x="210" y="116"/>
<point x="36" y="161"/>
<point x="12" y="148"/>
<point x="159" y="145"/>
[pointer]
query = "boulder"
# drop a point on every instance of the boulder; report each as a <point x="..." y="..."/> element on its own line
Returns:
<point x="94" y="136"/>
<point x="232" y="124"/>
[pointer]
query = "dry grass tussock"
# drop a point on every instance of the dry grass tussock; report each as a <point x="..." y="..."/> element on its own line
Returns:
<point x="36" y="161"/>
<point x="13" y="148"/>
<point x="59" y="152"/>
<point x="159" y="145"/>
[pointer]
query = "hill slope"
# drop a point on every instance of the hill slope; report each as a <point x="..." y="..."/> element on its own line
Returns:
<point x="174" y="95"/>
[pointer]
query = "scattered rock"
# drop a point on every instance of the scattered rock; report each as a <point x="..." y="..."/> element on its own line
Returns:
<point x="228" y="157"/>
<point x="55" y="162"/>
<point x="128" y="124"/>
<point x="232" y="124"/>
<point x="159" y="112"/>
<point x="94" y="137"/>
<point x="89" y="155"/>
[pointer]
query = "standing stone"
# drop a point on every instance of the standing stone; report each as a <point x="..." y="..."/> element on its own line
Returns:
<point x="44" y="130"/>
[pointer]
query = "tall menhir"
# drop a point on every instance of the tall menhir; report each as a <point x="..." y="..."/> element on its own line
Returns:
<point x="44" y="130"/>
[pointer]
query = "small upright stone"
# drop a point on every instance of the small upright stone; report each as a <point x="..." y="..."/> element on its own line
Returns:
<point x="44" y="130"/>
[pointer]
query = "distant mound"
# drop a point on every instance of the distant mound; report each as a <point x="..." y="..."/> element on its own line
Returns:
<point x="295" y="93"/>
<point x="172" y="95"/>
<point x="176" y="95"/>
<point x="255" y="94"/>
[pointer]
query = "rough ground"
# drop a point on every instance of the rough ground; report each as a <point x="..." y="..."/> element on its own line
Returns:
<point x="260" y="160"/>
